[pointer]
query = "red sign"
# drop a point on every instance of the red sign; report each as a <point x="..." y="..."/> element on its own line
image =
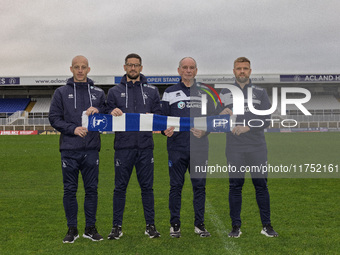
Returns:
<point x="19" y="132"/>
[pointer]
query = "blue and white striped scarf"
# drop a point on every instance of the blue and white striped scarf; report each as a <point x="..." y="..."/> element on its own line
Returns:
<point x="153" y="122"/>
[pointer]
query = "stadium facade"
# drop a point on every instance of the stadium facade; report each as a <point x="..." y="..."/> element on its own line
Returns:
<point x="324" y="104"/>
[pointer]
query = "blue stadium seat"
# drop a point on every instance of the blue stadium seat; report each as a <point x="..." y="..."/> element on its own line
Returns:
<point x="11" y="105"/>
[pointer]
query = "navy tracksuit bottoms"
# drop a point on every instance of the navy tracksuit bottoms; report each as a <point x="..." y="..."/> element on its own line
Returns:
<point x="143" y="161"/>
<point x="87" y="162"/>
<point x="239" y="161"/>
<point x="179" y="163"/>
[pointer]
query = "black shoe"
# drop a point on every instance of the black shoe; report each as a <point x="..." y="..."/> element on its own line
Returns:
<point x="236" y="232"/>
<point x="151" y="231"/>
<point x="200" y="230"/>
<point x="175" y="230"/>
<point x="92" y="233"/>
<point x="269" y="231"/>
<point x="71" y="235"/>
<point x="116" y="233"/>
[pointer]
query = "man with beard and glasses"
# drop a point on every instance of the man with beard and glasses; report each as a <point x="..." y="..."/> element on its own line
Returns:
<point x="133" y="149"/>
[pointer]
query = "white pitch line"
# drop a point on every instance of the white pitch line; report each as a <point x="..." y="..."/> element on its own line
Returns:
<point x="221" y="230"/>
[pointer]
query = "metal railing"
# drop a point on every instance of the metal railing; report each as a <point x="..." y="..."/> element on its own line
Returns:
<point x="314" y="118"/>
<point x="21" y="120"/>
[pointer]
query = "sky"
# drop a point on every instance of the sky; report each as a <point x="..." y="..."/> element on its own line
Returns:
<point x="40" y="37"/>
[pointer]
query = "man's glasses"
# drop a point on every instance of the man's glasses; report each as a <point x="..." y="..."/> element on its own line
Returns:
<point x="132" y="65"/>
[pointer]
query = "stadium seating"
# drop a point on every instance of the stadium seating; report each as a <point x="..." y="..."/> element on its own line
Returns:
<point x="317" y="102"/>
<point x="42" y="105"/>
<point x="11" y="105"/>
<point x="320" y="102"/>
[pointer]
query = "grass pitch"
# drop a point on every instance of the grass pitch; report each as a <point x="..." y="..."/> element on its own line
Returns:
<point x="305" y="211"/>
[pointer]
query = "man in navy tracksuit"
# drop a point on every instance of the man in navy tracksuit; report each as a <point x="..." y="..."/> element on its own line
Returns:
<point x="133" y="95"/>
<point x="246" y="147"/>
<point x="79" y="148"/>
<point x="186" y="149"/>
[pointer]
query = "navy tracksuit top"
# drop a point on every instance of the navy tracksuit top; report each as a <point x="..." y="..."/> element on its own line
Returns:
<point x="67" y="106"/>
<point x="254" y="139"/>
<point x="138" y="97"/>
<point x="181" y="101"/>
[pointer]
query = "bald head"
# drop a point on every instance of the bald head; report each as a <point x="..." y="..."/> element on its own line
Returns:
<point x="80" y="68"/>
<point x="80" y="58"/>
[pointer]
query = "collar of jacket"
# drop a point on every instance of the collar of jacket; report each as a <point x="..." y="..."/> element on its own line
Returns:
<point x="245" y="87"/>
<point x="71" y="82"/>
<point x="80" y="85"/>
<point x="192" y="86"/>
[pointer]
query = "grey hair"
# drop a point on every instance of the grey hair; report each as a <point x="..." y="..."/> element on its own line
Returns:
<point x="180" y="62"/>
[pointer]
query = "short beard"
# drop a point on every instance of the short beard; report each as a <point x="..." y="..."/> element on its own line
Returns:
<point x="133" y="77"/>
<point x="242" y="80"/>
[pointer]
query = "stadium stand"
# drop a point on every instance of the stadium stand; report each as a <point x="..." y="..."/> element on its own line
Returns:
<point x="11" y="105"/>
<point x="324" y="109"/>
<point x="42" y="105"/>
<point x="324" y="104"/>
<point x="30" y="106"/>
<point x="320" y="102"/>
